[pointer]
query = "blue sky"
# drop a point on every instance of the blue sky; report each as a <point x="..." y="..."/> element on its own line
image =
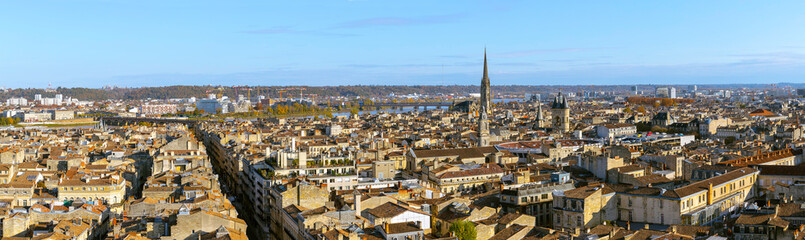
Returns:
<point x="92" y="43"/>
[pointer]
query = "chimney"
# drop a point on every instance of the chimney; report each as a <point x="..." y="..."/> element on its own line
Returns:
<point x="357" y="202"/>
<point x="386" y="227"/>
<point x="117" y="229"/>
<point x="299" y="195"/>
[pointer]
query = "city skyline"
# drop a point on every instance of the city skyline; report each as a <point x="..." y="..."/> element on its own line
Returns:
<point x="97" y="43"/>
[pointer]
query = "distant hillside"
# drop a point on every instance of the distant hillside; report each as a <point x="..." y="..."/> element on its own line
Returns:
<point x="355" y="90"/>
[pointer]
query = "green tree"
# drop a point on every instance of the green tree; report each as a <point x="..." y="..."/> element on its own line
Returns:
<point x="658" y="129"/>
<point x="463" y="230"/>
<point x="729" y="140"/>
<point x="643" y="127"/>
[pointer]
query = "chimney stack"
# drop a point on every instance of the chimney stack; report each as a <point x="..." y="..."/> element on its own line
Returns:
<point x="357" y="202"/>
<point x="299" y="194"/>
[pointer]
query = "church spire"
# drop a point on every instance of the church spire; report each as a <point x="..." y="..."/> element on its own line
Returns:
<point x="486" y="72"/>
<point x="486" y="91"/>
<point x="485" y="108"/>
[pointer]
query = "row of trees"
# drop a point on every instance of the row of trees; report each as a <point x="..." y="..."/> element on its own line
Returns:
<point x="640" y="109"/>
<point x="8" y="121"/>
<point x="296" y="108"/>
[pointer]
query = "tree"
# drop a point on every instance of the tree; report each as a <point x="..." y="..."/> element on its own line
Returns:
<point x="667" y="102"/>
<point x="627" y="110"/>
<point x="463" y="230"/>
<point x="643" y="127"/>
<point x="641" y="109"/>
<point x="658" y="129"/>
<point x="729" y="140"/>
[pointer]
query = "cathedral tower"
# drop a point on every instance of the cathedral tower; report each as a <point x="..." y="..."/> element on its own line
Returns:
<point x="560" y="114"/>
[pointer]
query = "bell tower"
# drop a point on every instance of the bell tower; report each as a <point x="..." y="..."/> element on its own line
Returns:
<point x="560" y="114"/>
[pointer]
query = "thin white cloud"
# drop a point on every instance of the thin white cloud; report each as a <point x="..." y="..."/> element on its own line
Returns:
<point x="400" y="21"/>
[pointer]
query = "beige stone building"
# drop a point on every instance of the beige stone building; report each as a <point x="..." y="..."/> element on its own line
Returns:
<point x="109" y="189"/>
<point x="694" y="204"/>
<point x="583" y="208"/>
<point x="191" y="223"/>
<point x="463" y="178"/>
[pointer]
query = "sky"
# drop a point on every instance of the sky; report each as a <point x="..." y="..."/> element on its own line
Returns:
<point x="93" y="43"/>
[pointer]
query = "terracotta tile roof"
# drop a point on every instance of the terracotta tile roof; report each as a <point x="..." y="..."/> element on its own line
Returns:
<point x="464" y="153"/>
<point x="774" y="170"/>
<point x="586" y="191"/>
<point x="791" y="210"/>
<point x="510" y="231"/>
<point x="508" y="218"/>
<point x="404" y="227"/>
<point x="761" y="112"/>
<point x="630" y="168"/>
<point x="717" y="180"/>
<point x="761" y="219"/>
<point x="390" y="209"/>
<point x="763" y="158"/>
<point x="690" y="230"/>
<point x="485" y="169"/>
